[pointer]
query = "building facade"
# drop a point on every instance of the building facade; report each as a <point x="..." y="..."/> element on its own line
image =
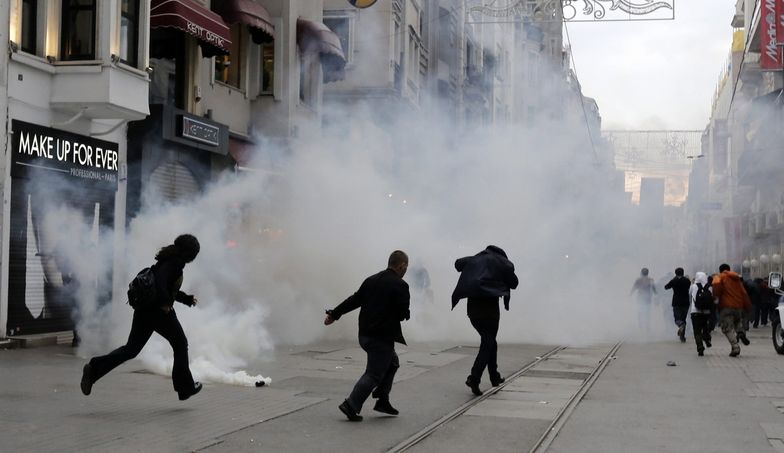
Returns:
<point x="111" y="105"/>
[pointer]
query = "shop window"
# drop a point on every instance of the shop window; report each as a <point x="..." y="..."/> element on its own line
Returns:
<point x="129" y="32"/>
<point x="29" y="26"/>
<point x="267" y="67"/>
<point x="341" y="26"/>
<point x="228" y="68"/>
<point x="309" y="66"/>
<point x="78" y="30"/>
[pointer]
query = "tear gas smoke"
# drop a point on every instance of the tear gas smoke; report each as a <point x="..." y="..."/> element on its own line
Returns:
<point x="280" y="247"/>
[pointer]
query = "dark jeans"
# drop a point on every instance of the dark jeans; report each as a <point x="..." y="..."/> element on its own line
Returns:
<point x="488" y="348"/>
<point x="382" y="364"/>
<point x="679" y="313"/>
<point x="700" y="323"/>
<point x="145" y="322"/>
<point x="761" y="314"/>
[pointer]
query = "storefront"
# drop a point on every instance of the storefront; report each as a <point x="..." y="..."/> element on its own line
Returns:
<point x="62" y="198"/>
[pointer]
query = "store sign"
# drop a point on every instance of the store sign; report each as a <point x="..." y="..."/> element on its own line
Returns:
<point x="39" y="150"/>
<point x="205" y="35"/>
<point x="200" y="131"/>
<point x="771" y="34"/>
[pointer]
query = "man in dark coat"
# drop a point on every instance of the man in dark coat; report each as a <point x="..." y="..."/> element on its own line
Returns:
<point x="484" y="278"/>
<point x="383" y="300"/>
<point x="680" y="301"/>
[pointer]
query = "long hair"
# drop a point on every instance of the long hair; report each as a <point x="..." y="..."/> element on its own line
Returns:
<point x="185" y="247"/>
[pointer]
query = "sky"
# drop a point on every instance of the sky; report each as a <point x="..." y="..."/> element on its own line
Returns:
<point x="655" y="74"/>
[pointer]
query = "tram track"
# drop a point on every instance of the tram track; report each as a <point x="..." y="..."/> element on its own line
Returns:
<point x="423" y="434"/>
<point x="552" y="430"/>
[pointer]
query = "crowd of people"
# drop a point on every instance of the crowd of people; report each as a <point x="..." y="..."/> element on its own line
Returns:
<point x="382" y="299"/>
<point x="724" y="299"/>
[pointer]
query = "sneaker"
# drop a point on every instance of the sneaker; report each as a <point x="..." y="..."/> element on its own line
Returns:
<point x="87" y="379"/>
<point x="497" y="381"/>
<point x="349" y="412"/>
<point x="185" y="395"/>
<point x="383" y="406"/>
<point x="682" y="333"/>
<point x="474" y="385"/>
<point x="735" y="351"/>
<point x="743" y="339"/>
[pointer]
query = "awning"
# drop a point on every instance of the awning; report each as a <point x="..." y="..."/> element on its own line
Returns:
<point x="250" y="13"/>
<point x="315" y="37"/>
<point x="241" y="151"/>
<point x="195" y="20"/>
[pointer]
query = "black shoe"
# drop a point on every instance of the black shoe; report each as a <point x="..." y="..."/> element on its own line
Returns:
<point x="383" y="406"/>
<point x="185" y="395"/>
<point x="474" y="385"/>
<point x="735" y="351"/>
<point x="743" y="339"/>
<point x="700" y="352"/>
<point x="346" y="408"/>
<point x="708" y="343"/>
<point x="497" y="381"/>
<point x="76" y="340"/>
<point x="87" y="379"/>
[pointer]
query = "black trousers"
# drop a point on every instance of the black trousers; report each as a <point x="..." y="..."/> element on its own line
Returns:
<point x="488" y="348"/>
<point x="761" y="311"/>
<point x="382" y="364"/>
<point x="145" y="322"/>
<point x="700" y="323"/>
<point x="679" y="313"/>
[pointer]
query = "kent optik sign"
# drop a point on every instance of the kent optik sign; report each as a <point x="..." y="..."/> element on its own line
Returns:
<point x="38" y="150"/>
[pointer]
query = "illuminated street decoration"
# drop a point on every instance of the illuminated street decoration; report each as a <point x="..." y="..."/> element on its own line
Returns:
<point x="362" y="3"/>
<point x="572" y="10"/>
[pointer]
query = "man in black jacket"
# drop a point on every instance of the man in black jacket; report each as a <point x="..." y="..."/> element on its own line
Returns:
<point x="680" y="301"/>
<point x="383" y="300"/>
<point x="484" y="278"/>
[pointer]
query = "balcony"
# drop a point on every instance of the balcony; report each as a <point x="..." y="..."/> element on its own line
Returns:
<point x="100" y="91"/>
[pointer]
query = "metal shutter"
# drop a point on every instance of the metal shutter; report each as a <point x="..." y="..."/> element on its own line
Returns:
<point x="172" y="182"/>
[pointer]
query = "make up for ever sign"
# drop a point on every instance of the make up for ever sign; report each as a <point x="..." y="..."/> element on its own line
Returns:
<point x="38" y="150"/>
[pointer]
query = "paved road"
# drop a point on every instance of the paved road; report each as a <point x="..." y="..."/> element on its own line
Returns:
<point x="638" y="403"/>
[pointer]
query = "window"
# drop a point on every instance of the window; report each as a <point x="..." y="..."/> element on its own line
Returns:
<point x="267" y="67"/>
<point x="341" y="26"/>
<point x="129" y="32"/>
<point x="29" y="26"/>
<point x="309" y="69"/>
<point x="228" y="68"/>
<point x="77" y="40"/>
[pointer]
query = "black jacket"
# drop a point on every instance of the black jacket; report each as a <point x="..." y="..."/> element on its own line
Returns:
<point x="384" y="302"/>
<point x="488" y="274"/>
<point x="680" y="291"/>
<point x="168" y="278"/>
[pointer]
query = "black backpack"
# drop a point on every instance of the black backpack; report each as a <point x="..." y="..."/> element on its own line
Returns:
<point x="704" y="299"/>
<point x="142" y="291"/>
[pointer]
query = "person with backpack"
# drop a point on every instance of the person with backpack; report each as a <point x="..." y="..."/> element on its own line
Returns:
<point x="702" y="302"/>
<point x="680" y="287"/>
<point x="152" y="295"/>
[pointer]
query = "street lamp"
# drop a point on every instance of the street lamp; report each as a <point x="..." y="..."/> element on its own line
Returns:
<point x="764" y="259"/>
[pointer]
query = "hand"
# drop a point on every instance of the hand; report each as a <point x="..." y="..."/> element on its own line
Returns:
<point x="328" y="320"/>
<point x="195" y="301"/>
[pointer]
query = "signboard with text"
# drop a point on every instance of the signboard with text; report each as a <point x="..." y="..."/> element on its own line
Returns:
<point x="39" y="150"/>
<point x="771" y="30"/>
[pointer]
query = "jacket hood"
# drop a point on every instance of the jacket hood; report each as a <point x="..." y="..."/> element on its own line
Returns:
<point x="497" y="250"/>
<point x="701" y="278"/>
